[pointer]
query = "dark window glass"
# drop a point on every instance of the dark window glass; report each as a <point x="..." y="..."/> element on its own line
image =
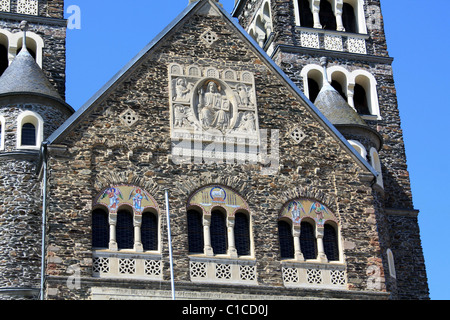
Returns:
<point x="339" y="89"/>
<point x="28" y="135"/>
<point x="100" y="229"/>
<point x="4" y="62"/>
<point x="125" y="230"/>
<point x="306" y="16"/>
<point x="218" y="231"/>
<point x="149" y="231"/>
<point x="360" y="100"/>
<point x="242" y="234"/>
<point x="286" y="240"/>
<point x="326" y="14"/>
<point x="330" y="243"/>
<point x="308" y="241"/>
<point x="349" y="18"/>
<point x="313" y="89"/>
<point x="195" y="231"/>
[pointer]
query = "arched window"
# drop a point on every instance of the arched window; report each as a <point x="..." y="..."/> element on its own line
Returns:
<point x="306" y="16"/>
<point x="360" y="99"/>
<point x="100" y="229"/>
<point x="218" y="232"/>
<point x="376" y="164"/>
<point x="4" y="62"/>
<point x="149" y="231"/>
<point x="30" y="129"/>
<point x="313" y="88"/>
<point x="28" y="135"/>
<point x="286" y="240"/>
<point x="327" y="18"/>
<point x="349" y="18"/>
<point x="242" y="234"/>
<point x="330" y="243"/>
<point x="336" y="85"/>
<point x="125" y="230"/>
<point x="308" y="243"/>
<point x="195" y="231"/>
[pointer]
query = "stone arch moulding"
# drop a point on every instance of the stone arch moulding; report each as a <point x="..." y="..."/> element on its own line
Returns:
<point x="217" y="196"/>
<point x="298" y="209"/>
<point x="116" y="196"/>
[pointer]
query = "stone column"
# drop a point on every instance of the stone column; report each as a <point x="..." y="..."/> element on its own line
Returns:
<point x="316" y="10"/>
<point x="338" y="14"/>
<point x="112" y="232"/>
<point x="207" y="236"/>
<point x="138" y="247"/>
<point x="231" y="242"/>
<point x="297" y="248"/>
<point x="320" y="249"/>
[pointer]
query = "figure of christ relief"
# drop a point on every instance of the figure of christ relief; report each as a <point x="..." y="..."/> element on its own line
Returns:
<point x="214" y="109"/>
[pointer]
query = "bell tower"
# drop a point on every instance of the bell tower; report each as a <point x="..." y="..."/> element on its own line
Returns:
<point x="32" y="107"/>
<point x="299" y="35"/>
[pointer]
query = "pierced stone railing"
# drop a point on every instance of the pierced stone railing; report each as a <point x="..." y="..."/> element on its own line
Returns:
<point x="127" y="265"/>
<point x="316" y="275"/>
<point x="216" y="270"/>
<point x="333" y="40"/>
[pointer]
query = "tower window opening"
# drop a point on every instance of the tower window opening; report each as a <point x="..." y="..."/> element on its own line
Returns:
<point x="28" y="135"/>
<point x="306" y="16"/>
<point x="339" y="89"/>
<point x="327" y="18"/>
<point x="3" y="59"/>
<point x="360" y="100"/>
<point x="313" y="88"/>
<point x="349" y="18"/>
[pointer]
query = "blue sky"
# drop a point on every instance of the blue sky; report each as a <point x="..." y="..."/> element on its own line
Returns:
<point x="113" y="32"/>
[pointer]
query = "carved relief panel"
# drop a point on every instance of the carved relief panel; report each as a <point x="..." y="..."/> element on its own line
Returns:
<point x="209" y="104"/>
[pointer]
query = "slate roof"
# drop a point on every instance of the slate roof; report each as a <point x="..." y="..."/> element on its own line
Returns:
<point x="335" y="108"/>
<point x="25" y="76"/>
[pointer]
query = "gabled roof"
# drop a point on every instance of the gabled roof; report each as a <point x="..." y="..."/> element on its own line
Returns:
<point x="24" y="76"/>
<point x="192" y="8"/>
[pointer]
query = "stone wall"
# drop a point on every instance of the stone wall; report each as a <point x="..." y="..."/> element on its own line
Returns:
<point x="102" y="150"/>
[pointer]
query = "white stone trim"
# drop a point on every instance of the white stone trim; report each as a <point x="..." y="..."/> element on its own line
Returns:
<point x="376" y="164"/>
<point x="35" y="119"/>
<point x="14" y="41"/>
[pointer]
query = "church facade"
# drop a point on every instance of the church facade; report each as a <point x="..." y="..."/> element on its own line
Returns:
<point x="251" y="155"/>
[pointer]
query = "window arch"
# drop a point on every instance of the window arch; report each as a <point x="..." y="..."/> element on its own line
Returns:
<point x="100" y="229"/>
<point x="133" y="218"/>
<point x="149" y="231"/>
<point x="242" y="234"/>
<point x="349" y="18"/>
<point x="219" y="222"/>
<point x="308" y="244"/>
<point x="391" y="264"/>
<point x="359" y="147"/>
<point x="304" y="232"/>
<point x="327" y="17"/>
<point x="30" y="127"/>
<point x="125" y="229"/>
<point x="330" y="242"/>
<point x="286" y="240"/>
<point x="219" y="241"/>
<point x="195" y="231"/>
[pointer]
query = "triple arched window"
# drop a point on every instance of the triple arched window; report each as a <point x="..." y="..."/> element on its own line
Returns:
<point x="308" y="230"/>
<point x="218" y="223"/>
<point x="125" y="218"/>
<point x="358" y="88"/>
<point x="336" y="15"/>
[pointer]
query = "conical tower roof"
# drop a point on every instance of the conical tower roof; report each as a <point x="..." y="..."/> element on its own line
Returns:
<point x="335" y="108"/>
<point x="25" y="76"/>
